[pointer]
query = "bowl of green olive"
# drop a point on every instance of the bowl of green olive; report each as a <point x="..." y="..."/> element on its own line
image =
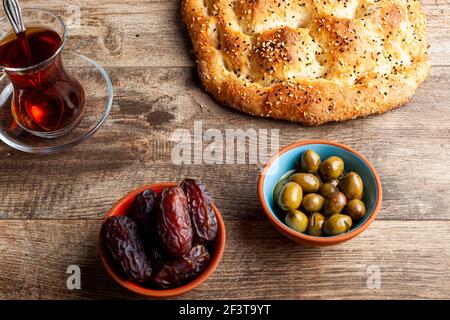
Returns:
<point x="319" y="192"/>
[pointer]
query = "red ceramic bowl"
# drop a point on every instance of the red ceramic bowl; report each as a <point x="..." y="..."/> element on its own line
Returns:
<point x="286" y="160"/>
<point x="121" y="208"/>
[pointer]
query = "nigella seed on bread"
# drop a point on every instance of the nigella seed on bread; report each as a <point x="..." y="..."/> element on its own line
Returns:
<point x="309" y="61"/>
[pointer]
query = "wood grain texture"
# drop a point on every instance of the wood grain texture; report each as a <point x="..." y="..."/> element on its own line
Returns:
<point x="36" y="254"/>
<point x="51" y="206"/>
<point x="410" y="147"/>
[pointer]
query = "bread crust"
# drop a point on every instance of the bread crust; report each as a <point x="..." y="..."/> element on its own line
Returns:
<point x="309" y="61"/>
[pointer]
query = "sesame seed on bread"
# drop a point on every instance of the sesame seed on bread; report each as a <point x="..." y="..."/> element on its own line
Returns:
<point x="309" y="61"/>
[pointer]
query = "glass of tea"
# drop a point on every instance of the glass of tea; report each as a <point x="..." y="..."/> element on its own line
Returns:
<point x="47" y="102"/>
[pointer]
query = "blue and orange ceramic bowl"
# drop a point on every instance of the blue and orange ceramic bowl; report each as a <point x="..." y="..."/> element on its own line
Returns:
<point x="121" y="208"/>
<point x="286" y="160"/>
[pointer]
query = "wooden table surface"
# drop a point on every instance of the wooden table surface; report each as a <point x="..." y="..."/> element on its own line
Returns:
<point x="51" y="206"/>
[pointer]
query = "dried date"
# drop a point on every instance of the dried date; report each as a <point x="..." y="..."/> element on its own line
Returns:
<point x="176" y="272"/>
<point x="174" y="223"/>
<point x="143" y="214"/>
<point x="126" y="249"/>
<point x="203" y="217"/>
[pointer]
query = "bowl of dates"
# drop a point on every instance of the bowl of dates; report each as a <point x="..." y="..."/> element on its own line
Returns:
<point x="163" y="240"/>
<point x="319" y="192"/>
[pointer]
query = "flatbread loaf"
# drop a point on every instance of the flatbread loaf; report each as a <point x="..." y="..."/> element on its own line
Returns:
<point x="309" y="61"/>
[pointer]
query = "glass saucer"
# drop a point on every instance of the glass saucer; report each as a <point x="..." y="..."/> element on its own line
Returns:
<point x="99" y="97"/>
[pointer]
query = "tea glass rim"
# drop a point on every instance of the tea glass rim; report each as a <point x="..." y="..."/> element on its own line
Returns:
<point x="42" y="63"/>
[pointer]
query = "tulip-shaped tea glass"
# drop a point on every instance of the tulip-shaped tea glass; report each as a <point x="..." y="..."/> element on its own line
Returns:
<point x="45" y="92"/>
<point x="47" y="101"/>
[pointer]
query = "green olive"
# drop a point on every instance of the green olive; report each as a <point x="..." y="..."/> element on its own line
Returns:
<point x="310" y="161"/>
<point x="296" y="220"/>
<point x="276" y="191"/>
<point x="331" y="168"/>
<point x="334" y="182"/>
<point x="334" y="203"/>
<point x="328" y="188"/>
<point x="315" y="224"/>
<point x="290" y="197"/>
<point x="308" y="181"/>
<point x="313" y="202"/>
<point x="337" y="224"/>
<point x="352" y="186"/>
<point x="356" y="209"/>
